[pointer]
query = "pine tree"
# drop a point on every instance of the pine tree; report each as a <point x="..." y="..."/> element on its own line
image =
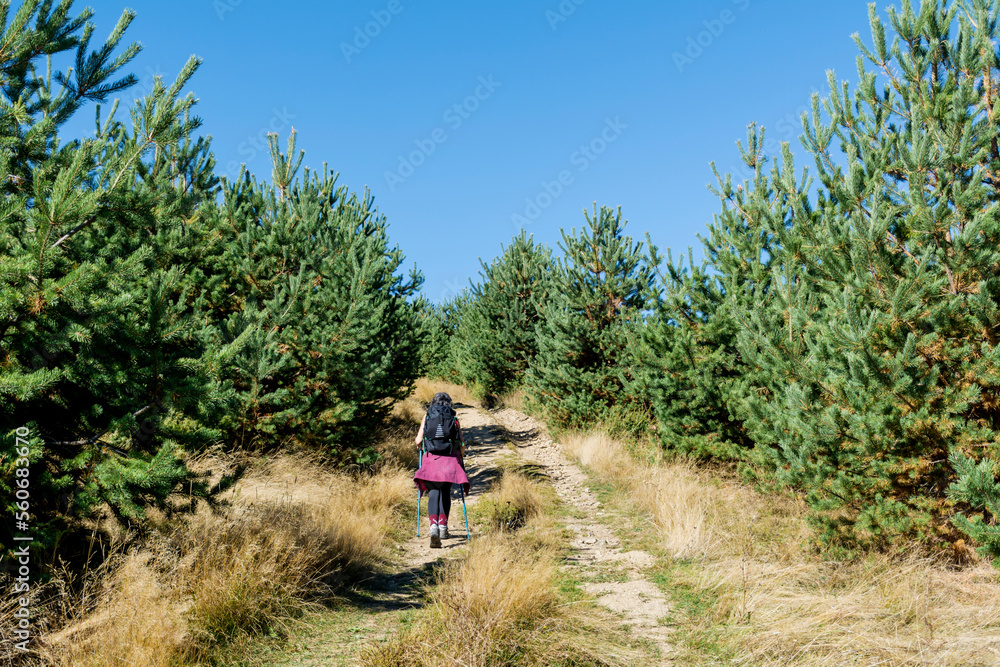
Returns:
<point x="142" y="315"/>
<point x="867" y="297"/>
<point x="601" y="288"/>
<point x="305" y="290"/>
<point x="496" y="341"/>
<point x="686" y="363"/>
<point x="439" y="324"/>
<point x="978" y="488"/>
<point x="93" y="341"/>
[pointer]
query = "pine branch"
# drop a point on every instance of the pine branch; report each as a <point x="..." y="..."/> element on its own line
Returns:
<point x="73" y="231"/>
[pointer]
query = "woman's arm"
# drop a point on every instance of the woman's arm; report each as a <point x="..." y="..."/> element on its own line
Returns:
<point x="420" y="435"/>
<point x="461" y="445"/>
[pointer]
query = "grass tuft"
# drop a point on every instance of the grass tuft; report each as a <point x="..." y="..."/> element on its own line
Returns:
<point x="510" y="503"/>
<point x="132" y="619"/>
<point x="293" y="531"/>
<point x="512" y="400"/>
<point x="426" y="389"/>
<point x="501" y="603"/>
<point x="500" y="606"/>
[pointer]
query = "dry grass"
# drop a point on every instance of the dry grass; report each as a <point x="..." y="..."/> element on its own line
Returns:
<point x="291" y="533"/>
<point x="409" y="411"/>
<point x="880" y="610"/>
<point x="513" y="400"/>
<point x="511" y="502"/>
<point x="488" y="597"/>
<point x="763" y="595"/>
<point x="482" y="609"/>
<point x="695" y="516"/>
<point x="289" y="539"/>
<point x="426" y="389"/>
<point x="395" y="441"/>
<point x="134" y="619"/>
<point x="499" y="606"/>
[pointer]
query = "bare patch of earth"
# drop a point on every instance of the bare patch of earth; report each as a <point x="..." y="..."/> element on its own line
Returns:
<point x="636" y="599"/>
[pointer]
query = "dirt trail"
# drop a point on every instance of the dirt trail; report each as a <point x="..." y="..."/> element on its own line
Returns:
<point x="382" y="602"/>
<point x="376" y="607"/>
<point x="640" y="603"/>
<point x="484" y="442"/>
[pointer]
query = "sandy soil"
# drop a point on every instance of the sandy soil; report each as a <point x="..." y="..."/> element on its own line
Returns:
<point x="639" y="602"/>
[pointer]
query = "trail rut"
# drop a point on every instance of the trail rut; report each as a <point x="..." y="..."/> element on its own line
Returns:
<point x="639" y="602"/>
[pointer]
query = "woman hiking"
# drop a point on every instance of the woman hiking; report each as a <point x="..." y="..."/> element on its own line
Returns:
<point x="442" y="465"/>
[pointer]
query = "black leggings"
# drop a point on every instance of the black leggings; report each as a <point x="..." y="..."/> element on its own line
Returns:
<point x="438" y="498"/>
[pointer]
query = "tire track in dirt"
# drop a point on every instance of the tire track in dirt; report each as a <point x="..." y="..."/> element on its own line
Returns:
<point x="637" y="600"/>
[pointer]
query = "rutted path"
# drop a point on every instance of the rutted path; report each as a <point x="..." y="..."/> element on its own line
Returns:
<point x="380" y="604"/>
<point x="640" y="603"/>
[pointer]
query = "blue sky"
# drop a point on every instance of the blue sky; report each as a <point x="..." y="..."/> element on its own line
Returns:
<point x="470" y="120"/>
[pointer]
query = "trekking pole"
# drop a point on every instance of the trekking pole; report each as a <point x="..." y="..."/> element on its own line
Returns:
<point x="461" y="487"/>
<point x="420" y="462"/>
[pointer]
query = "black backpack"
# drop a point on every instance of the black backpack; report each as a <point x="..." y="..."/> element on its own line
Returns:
<point x="440" y="429"/>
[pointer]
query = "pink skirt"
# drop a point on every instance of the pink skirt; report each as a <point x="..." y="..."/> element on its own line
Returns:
<point x="441" y="468"/>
